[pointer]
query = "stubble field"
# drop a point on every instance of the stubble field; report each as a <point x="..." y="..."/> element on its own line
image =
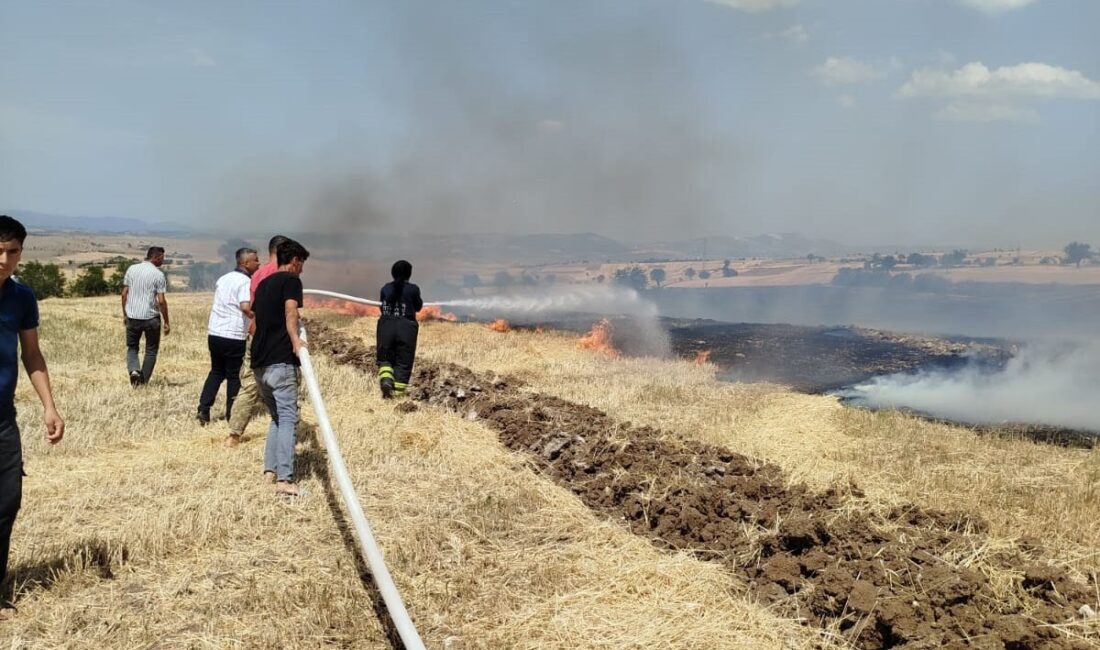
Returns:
<point x="140" y="530"/>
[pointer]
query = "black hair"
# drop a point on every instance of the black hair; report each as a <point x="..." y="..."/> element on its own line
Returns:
<point x="11" y="229"/>
<point x="401" y="271"/>
<point x="288" y="250"/>
<point x="154" y="251"/>
<point x="273" y="244"/>
<point x="243" y="253"/>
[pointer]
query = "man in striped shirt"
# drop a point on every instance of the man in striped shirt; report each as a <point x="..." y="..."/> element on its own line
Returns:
<point x="144" y="312"/>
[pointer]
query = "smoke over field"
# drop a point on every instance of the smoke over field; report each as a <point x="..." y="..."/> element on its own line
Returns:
<point x="1041" y="385"/>
<point x="548" y="304"/>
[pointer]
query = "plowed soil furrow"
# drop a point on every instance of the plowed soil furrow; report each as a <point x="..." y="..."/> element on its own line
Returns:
<point x="893" y="580"/>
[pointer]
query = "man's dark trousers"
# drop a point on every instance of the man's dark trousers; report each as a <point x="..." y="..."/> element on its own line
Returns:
<point x="226" y="357"/>
<point x="11" y="486"/>
<point x="135" y="328"/>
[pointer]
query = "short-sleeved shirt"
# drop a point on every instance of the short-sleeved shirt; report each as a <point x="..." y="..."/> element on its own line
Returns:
<point x="271" y="343"/>
<point x="226" y="318"/>
<point x="145" y="281"/>
<point x="261" y="274"/>
<point x="18" y="313"/>
<point x="404" y="306"/>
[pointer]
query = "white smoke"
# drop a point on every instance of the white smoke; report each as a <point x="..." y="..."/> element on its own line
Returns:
<point x="547" y="303"/>
<point x="1042" y="385"/>
<point x="597" y="299"/>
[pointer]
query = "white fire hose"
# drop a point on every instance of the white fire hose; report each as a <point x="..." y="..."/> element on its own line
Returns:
<point x="344" y="296"/>
<point x="396" y="607"/>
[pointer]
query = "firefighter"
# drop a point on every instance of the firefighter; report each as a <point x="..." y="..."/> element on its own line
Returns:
<point x="397" y="331"/>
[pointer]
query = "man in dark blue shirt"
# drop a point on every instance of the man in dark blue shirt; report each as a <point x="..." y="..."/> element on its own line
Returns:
<point x="18" y="329"/>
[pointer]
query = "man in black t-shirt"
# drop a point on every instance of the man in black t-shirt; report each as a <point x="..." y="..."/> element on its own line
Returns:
<point x="275" y="347"/>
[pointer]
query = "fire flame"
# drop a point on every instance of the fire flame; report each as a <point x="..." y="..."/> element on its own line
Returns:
<point x="430" y="312"/>
<point x="600" y="338"/>
<point x="433" y="312"/>
<point x="500" y="325"/>
<point x="701" y="357"/>
<point x="342" y="306"/>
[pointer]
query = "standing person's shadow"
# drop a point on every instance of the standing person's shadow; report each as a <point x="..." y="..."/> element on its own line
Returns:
<point x="94" y="555"/>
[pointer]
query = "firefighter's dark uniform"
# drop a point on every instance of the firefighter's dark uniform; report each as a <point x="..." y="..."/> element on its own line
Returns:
<point x="397" y="332"/>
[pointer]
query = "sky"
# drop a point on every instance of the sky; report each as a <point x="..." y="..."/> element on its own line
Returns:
<point x="903" y="122"/>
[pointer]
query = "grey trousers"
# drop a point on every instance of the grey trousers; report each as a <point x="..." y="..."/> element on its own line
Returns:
<point x="135" y="329"/>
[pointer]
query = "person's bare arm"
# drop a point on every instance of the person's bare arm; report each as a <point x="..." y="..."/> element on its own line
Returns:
<point x="290" y="310"/>
<point x="125" y="294"/>
<point x="35" y="365"/>
<point x="162" y="305"/>
<point x="246" y="309"/>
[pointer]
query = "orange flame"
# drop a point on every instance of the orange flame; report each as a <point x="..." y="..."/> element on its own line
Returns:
<point x="500" y="325"/>
<point x="600" y="338"/>
<point x="342" y="306"/>
<point x="433" y="312"/>
<point x="701" y="357"/>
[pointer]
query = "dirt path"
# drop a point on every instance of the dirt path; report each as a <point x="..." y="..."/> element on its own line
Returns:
<point x="908" y="578"/>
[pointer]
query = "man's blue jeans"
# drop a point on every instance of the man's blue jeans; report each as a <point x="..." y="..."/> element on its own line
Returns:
<point x="11" y="485"/>
<point x="278" y="387"/>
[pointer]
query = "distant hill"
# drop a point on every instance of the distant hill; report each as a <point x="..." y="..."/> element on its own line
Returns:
<point x="786" y="245"/>
<point x="110" y="225"/>
<point x="539" y="248"/>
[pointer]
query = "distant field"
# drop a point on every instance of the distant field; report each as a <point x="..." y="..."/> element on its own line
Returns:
<point x="70" y="250"/>
<point x="785" y="273"/>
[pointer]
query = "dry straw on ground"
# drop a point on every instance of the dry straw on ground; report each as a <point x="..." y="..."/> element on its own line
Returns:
<point x="141" y="531"/>
<point x="1024" y="490"/>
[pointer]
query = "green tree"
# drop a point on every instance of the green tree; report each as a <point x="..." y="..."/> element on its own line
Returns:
<point x="689" y="273"/>
<point x="954" y="258"/>
<point x="91" y="283"/>
<point x="46" y="280"/>
<point x="202" y="275"/>
<point x="1077" y="252"/>
<point x="657" y="275"/>
<point x="704" y="275"/>
<point x="471" y="281"/>
<point x="228" y="251"/>
<point x="114" y="283"/>
<point x="633" y="277"/>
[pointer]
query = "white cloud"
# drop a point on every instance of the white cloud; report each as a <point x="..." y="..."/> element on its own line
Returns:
<point x="837" y="71"/>
<point x="1023" y="80"/>
<point x="985" y="113"/>
<point x="550" y="126"/>
<point x="794" y="34"/>
<point x="998" y="6"/>
<point x="846" y="101"/>
<point x="754" y="6"/>
<point x="201" y="59"/>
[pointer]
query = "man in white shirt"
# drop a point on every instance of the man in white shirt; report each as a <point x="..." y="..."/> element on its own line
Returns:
<point x="144" y="312"/>
<point x="227" y="332"/>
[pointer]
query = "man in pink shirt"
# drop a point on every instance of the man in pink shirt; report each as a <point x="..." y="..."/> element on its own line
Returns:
<point x="247" y="404"/>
